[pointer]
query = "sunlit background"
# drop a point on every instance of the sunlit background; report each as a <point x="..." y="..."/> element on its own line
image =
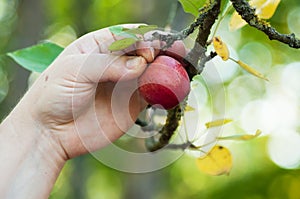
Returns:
<point x="266" y="167"/>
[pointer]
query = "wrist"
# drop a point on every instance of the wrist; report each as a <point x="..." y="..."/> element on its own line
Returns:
<point x="31" y="156"/>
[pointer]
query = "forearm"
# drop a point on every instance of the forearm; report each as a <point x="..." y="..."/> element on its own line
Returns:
<point x="30" y="160"/>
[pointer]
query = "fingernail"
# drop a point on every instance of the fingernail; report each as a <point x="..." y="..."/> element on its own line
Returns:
<point x="152" y="51"/>
<point x="134" y="62"/>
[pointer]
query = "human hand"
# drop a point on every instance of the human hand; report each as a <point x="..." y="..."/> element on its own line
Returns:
<point x="83" y="101"/>
<point x="88" y="97"/>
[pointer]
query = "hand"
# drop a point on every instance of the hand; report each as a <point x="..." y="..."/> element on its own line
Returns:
<point x="87" y="98"/>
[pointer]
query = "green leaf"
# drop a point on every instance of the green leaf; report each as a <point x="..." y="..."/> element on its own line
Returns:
<point x="36" y="58"/>
<point x="192" y="6"/>
<point x="120" y="31"/>
<point x="116" y="29"/>
<point x="121" y="44"/>
<point x="4" y="85"/>
<point x="142" y="29"/>
<point x="131" y="33"/>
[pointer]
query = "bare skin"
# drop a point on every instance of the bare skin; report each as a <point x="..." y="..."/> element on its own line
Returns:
<point x="85" y="100"/>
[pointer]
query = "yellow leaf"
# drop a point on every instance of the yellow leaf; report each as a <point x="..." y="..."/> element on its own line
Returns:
<point x="217" y="123"/>
<point x="241" y="137"/>
<point x="251" y="70"/>
<point x="221" y="48"/>
<point x="264" y="9"/>
<point x="236" y="22"/>
<point x="268" y="9"/>
<point x="257" y="3"/>
<point x="189" y="108"/>
<point x="217" y="162"/>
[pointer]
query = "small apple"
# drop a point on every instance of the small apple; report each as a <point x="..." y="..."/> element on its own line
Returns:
<point x="177" y="50"/>
<point x="165" y="83"/>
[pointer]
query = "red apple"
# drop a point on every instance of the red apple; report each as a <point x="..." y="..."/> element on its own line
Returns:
<point x="177" y="51"/>
<point x="165" y="83"/>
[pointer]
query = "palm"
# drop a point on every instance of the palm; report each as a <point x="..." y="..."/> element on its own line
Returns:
<point x="88" y="97"/>
<point x="91" y="96"/>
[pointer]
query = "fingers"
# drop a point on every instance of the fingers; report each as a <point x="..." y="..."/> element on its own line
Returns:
<point x="95" y="42"/>
<point x="148" y="50"/>
<point x="91" y="56"/>
<point x="95" y="68"/>
<point x="100" y="40"/>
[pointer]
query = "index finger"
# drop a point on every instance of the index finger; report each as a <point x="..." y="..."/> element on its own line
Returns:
<point x="95" y="42"/>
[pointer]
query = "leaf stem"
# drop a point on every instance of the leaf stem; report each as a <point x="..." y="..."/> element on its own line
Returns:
<point x="220" y="20"/>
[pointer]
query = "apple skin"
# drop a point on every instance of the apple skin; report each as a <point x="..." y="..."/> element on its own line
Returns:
<point x="165" y="83"/>
<point x="177" y="51"/>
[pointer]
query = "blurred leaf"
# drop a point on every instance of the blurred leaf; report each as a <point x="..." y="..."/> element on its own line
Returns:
<point x="257" y="3"/>
<point x="268" y="9"/>
<point x="189" y="108"/>
<point x="236" y="22"/>
<point x="221" y="48"/>
<point x="241" y="137"/>
<point x="121" y="44"/>
<point x="63" y="36"/>
<point x="251" y="70"/>
<point x="36" y="58"/>
<point x="4" y="85"/>
<point x="199" y="78"/>
<point x="217" y="162"/>
<point x="264" y="9"/>
<point x="217" y="123"/>
<point x="192" y="6"/>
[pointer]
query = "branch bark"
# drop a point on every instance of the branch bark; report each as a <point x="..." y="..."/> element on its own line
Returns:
<point x="248" y="14"/>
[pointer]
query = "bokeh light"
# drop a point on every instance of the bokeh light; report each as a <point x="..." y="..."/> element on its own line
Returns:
<point x="257" y="55"/>
<point x="284" y="148"/>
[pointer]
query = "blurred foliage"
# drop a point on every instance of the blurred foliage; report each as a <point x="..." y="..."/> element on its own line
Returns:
<point x="254" y="174"/>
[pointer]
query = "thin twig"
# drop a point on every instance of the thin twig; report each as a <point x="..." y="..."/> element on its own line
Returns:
<point x="205" y="13"/>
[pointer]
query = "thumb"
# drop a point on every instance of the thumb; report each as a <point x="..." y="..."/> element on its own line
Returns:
<point x="106" y="67"/>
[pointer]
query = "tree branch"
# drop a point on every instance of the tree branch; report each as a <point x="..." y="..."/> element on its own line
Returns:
<point x="248" y="14"/>
<point x="168" y="129"/>
<point x="204" y="22"/>
<point x="201" y="21"/>
<point x="197" y="58"/>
